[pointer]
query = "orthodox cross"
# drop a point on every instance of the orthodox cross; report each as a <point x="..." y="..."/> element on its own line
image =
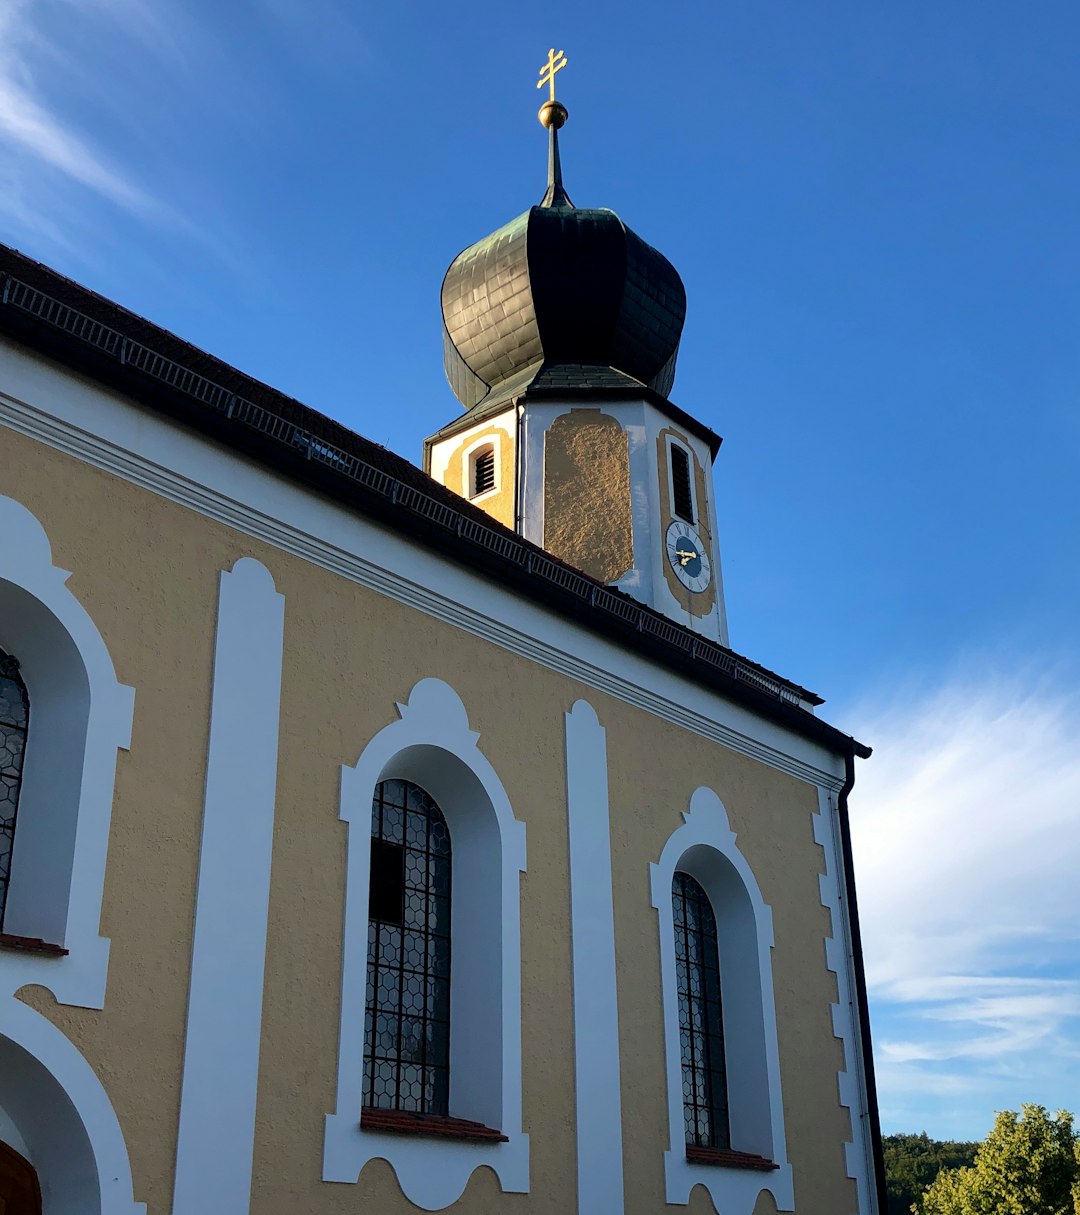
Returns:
<point x="556" y="61"/>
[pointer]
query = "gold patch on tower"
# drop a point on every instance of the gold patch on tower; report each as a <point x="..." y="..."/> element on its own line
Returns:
<point x="587" y="519"/>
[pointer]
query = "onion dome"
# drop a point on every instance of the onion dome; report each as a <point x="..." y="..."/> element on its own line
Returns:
<point x="564" y="299"/>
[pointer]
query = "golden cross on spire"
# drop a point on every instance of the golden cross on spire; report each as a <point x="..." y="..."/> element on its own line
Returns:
<point x="556" y="61"/>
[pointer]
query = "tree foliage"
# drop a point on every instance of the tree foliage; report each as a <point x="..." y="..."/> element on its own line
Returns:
<point x="1029" y="1164"/>
<point x="913" y="1161"/>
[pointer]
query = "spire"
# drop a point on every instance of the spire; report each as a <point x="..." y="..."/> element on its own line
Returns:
<point x="553" y="114"/>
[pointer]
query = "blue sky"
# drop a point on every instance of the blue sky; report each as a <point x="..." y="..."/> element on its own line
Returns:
<point x="874" y="211"/>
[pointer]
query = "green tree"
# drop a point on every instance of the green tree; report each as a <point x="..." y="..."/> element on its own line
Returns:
<point x="1029" y="1164"/>
<point x="913" y="1161"/>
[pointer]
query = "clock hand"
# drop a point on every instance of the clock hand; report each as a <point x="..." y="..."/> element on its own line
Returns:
<point x="685" y="557"/>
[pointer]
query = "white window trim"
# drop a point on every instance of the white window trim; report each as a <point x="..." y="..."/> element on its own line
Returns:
<point x="80" y="715"/>
<point x="433" y="746"/>
<point x="56" y="1102"/>
<point x="704" y="847"/>
<point x="672" y="441"/>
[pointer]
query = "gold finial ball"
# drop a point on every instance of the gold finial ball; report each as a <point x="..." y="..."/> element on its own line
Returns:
<point x="553" y="114"/>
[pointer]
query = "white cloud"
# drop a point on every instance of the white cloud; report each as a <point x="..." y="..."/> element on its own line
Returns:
<point x="37" y="145"/>
<point x="967" y="852"/>
<point x="24" y="122"/>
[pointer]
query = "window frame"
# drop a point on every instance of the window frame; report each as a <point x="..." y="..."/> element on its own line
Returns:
<point x="10" y="672"/>
<point x="432" y="1018"/>
<point x="707" y="1066"/>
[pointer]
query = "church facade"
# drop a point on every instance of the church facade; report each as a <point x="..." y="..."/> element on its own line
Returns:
<point x="379" y="840"/>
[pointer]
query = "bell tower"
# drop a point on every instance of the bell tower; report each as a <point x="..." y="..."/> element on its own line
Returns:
<point x="561" y="332"/>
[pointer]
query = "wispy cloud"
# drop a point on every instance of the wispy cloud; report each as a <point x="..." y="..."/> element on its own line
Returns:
<point x="39" y="147"/>
<point x="967" y="851"/>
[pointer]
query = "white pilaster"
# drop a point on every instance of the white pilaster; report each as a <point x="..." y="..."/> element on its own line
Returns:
<point x="596" y="1014"/>
<point x="221" y="1052"/>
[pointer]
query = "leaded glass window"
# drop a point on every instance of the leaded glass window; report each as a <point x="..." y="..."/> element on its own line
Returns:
<point x="14" y="719"/>
<point x="701" y="1018"/>
<point x="407" y="1039"/>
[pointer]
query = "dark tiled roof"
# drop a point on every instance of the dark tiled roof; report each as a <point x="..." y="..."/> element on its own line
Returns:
<point x="489" y="322"/>
<point x="564" y="377"/>
<point x="569" y="287"/>
<point x="99" y="338"/>
<point x="593" y="382"/>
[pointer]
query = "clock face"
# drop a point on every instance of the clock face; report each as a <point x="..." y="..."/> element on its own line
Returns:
<point x="687" y="555"/>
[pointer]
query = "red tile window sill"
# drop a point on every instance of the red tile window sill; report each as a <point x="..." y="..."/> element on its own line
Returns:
<point x="403" y="1122"/>
<point x="727" y="1158"/>
<point x="8" y="940"/>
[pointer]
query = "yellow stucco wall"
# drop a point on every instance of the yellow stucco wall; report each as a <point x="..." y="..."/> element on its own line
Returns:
<point x="499" y="503"/>
<point x="147" y="569"/>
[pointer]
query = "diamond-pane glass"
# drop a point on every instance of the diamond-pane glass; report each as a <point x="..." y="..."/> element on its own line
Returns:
<point x="701" y="1018"/>
<point x="14" y="719"/>
<point x="407" y="1018"/>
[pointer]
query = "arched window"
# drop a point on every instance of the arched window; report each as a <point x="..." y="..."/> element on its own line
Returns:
<point x="701" y="1018"/>
<point x="426" y="771"/>
<point x="721" y="1055"/>
<point x="14" y="720"/>
<point x="407" y="1040"/>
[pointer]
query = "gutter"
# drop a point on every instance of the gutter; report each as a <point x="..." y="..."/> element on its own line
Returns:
<point x="862" y="1003"/>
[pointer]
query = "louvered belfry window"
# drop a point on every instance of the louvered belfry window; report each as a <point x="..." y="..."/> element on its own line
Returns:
<point x="407" y="1040"/>
<point x="483" y="471"/>
<point x="14" y="720"/>
<point x="701" y="1019"/>
<point x="680" y="484"/>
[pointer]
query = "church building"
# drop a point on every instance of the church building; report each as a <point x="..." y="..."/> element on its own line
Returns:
<point x="378" y="840"/>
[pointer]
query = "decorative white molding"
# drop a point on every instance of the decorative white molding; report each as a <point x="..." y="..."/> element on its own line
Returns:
<point x="705" y="848"/>
<point x="598" y="1092"/>
<point x="851" y="1080"/>
<point x="216" y="1134"/>
<point x="80" y="715"/>
<point x="149" y="452"/>
<point x="64" y="1118"/>
<point x="432" y="745"/>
